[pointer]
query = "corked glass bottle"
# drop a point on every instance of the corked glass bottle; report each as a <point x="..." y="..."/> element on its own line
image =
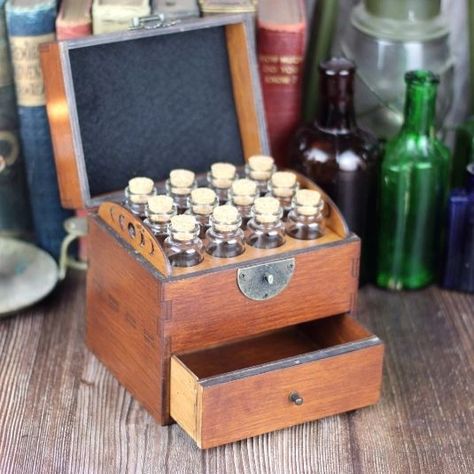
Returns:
<point x="305" y="220"/>
<point x="183" y="247"/>
<point x="225" y="238"/>
<point x="341" y="158"/>
<point x="201" y="204"/>
<point x="220" y="178"/>
<point x="242" y="195"/>
<point x="137" y="193"/>
<point x="159" y="211"/>
<point x="413" y="195"/>
<point x="266" y="229"/>
<point x="283" y="186"/>
<point x="260" y="168"/>
<point x="179" y="186"/>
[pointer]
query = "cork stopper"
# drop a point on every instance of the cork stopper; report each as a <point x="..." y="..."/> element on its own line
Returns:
<point x="181" y="181"/>
<point x="244" y="192"/>
<point x="183" y="226"/>
<point x="267" y="209"/>
<point x="308" y="202"/>
<point x="159" y="208"/>
<point x="226" y="218"/>
<point x="202" y="201"/>
<point x="283" y="183"/>
<point x="139" y="189"/>
<point x="261" y="167"/>
<point x="222" y="175"/>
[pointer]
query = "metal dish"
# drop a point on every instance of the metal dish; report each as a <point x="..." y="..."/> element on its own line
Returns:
<point x="27" y="275"/>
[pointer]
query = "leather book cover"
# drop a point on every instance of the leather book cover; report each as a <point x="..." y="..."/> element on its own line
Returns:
<point x="74" y="19"/>
<point x="15" y="218"/>
<point x="176" y="8"/>
<point x="110" y="15"/>
<point x="281" y="38"/>
<point x="212" y="7"/>
<point x="30" y="23"/>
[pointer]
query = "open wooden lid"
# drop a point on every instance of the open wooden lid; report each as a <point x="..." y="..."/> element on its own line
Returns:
<point x="140" y="103"/>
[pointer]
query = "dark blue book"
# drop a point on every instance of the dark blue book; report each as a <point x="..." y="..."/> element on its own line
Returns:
<point x="15" y="218"/>
<point x="30" y="23"/>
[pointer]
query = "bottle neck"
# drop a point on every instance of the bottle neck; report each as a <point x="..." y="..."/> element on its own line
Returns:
<point x="336" y="110"/>
<point x="420" y="109"/>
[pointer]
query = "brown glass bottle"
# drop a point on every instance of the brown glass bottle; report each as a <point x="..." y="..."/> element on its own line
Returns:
<point x="342" y="158"/>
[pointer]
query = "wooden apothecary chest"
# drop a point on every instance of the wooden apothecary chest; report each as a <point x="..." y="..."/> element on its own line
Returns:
<point x="215" y="347"/>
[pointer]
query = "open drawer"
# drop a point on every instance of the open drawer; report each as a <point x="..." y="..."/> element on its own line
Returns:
<point x="272" y="381"/>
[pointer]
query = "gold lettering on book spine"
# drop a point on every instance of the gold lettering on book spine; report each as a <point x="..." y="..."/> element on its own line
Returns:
<point x="280" y="69"/>
<point x="26" y="64"/>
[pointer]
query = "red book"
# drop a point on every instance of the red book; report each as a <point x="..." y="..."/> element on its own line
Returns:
<point x="74" y="19"/>
<point x="281" y="31"/>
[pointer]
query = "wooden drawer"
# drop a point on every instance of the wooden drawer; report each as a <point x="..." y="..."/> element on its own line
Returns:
<point x="243" y="389"/>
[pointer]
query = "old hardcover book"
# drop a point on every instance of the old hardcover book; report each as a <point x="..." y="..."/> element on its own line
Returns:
<point x="115" y="15"/>
<point x="15" y="217"/>
<point x="30" y="23"/>
<point x="74" y="19"/>
<point x="280" y="45"/>
<point x="210" y="7"/>
<point x="176" y="8"/>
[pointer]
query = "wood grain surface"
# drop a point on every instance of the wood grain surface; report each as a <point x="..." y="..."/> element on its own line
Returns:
<point x="62" y="411"/>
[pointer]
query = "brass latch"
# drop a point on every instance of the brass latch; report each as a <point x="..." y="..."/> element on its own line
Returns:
<point x="265" y="281"/>
<point x="151" y="22"/>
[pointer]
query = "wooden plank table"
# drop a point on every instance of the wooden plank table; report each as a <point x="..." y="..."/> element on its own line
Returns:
<point x="62" y="411"/>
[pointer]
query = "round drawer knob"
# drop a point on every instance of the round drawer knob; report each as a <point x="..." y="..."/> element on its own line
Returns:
<point x="296" y="398"/>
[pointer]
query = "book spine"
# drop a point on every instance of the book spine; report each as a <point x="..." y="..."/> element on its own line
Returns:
<point x="27" y="28"/>
<point x="15" y="218"/>
<point x="213" y="7"/>
<point x="67" y="30"/>
<point x="280" y="50"/>
<point x="109" y="18"/>
<point x="176" y="9"/>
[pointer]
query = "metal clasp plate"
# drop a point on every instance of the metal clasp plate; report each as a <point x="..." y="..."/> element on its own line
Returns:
<point x="265" y="281"/>
<point x="151" y="22"/>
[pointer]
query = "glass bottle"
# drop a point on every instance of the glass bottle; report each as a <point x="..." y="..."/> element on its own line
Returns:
<point x="283" y="186"/>
<point x="387" y="38"/>
<point x="266" y="229"/>
<point x="201" y="204"/>
<point x="260" y="168"/>
<point x="305" y="220"/>
<point x="342" y="158"/>
<point x="183" y="247"/>
<point x="159" y="211"/>
<point x="220" y="179"/>
<point x="242" y="195"/>
<point x="414" y="183"/>
<point x="137" y="193"/>
<point x="179" y="186"/>
<point x="459" y="257"/>
<point x="225" y="238"/>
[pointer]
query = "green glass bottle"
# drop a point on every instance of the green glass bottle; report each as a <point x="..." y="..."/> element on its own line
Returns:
<point x="414" y="186"/>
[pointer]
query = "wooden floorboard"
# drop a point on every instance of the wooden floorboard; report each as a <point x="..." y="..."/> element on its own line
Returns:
<point x="61" y="410"/>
